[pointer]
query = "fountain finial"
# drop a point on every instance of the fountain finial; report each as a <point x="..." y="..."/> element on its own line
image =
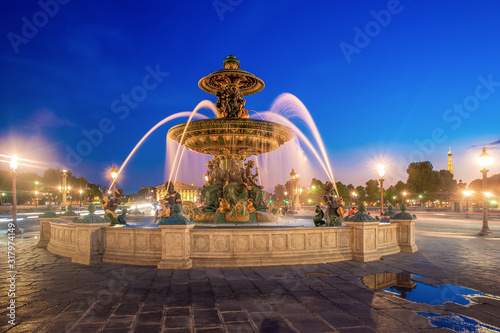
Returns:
<point x="231" y="62"/>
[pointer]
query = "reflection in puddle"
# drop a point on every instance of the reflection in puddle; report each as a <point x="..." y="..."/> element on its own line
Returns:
<point x="403" y="285"/>
<point x="458" y="323"/>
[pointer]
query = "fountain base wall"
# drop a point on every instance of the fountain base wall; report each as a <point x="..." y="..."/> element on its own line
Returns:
<point x="186" y="247"/>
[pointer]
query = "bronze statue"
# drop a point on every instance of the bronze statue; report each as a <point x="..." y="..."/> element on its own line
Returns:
<point x="208" y="181"/>
<point x="223" y="206"/>
<point x="334" y="212"/>
<point x="235" y="189"/>
<point x="110" y="205"/>
<point x="168" y="202"/>
<point x="213" y="191"/>
<point x="318" y="219"/>
<point x="254" y="190"/>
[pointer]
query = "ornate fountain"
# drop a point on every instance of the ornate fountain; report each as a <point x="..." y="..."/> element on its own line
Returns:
<point x="232" y="195"/>
<point x="232" y="136"/>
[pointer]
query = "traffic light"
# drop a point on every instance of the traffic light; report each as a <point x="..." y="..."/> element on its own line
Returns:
<point x="286" y="202"/>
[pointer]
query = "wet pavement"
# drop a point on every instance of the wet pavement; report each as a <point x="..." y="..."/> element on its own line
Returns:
<point x="55" y="295"/>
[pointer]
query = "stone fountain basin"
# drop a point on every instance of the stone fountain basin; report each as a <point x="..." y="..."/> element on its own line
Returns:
<point x="183" y="246"/>
<point x="231" y="137"/>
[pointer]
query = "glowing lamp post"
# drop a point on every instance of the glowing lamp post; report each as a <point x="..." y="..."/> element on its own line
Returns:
<point x="64" y="188"/>
<point x="354" y="196"/>
<point x="485" y="160"/>
<point x="295" y="185"/>
<point x="114" y="175"/>
<point x="404" y="197"/>
<point x="381" y="173"/>
<point x="80" y="191"/>
<point x="1" y="198"/>
<point x="14" y="162"/>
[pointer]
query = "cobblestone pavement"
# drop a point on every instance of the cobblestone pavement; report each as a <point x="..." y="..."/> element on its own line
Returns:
<point x="55" y="295"/>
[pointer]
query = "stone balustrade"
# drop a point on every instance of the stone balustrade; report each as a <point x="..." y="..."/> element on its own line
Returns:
<point x="182" y="246"/>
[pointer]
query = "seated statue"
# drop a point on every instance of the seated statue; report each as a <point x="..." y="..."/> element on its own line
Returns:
<point x="168" y="202"/>
<point x="207" y="182"/>
<point x="110" y="205"/>
<point x="216" y="180"/>
<point x="334" y="212"/>
<point x="235" y="189"/>
<point x="254" y="190"/>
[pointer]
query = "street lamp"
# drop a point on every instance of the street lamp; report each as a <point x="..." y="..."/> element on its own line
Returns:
<point x="354" y="196"/>
<point x="1" y="198"/>
<point x="381" y="173"/>
<point x="467" y="194"/>
<point x="80" y="191"/>
<point x="404" y="197"/>
<point x="114" y="175"/>
<point x="484" y="161"/>
<point x="14" y="162"/>
<point x="36" y="199"/>
<point x="64" y="188"/>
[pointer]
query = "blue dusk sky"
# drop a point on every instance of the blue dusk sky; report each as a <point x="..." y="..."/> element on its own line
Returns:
<point x="392" y="81"/>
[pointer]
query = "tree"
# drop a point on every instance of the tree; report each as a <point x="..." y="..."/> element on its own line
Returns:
<point x="317" y="190"/>
<point x="389" y="194"/>
<point x="421" y="178"/>
<point x="372" y="190"/>
<point x="447" y="185"/>
<point x="279" y="192"/>
<point x="360" y="190"/>
<point x="343" y="191"/>
<point x="492" y="184"/>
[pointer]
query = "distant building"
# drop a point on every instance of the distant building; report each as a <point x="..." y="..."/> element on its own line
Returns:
<point x="187" y="192"/>
<point x="149" y="193"/>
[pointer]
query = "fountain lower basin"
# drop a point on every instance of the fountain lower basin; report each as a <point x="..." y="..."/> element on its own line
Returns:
<point x="186" y="246"/>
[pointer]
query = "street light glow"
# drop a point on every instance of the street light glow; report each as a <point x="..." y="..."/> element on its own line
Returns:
<point x="485" y="159"/>
<point x="488" y="194"/>
<point x="114" y="173"/>
<point x="381" y="170"/>
<point x="14" y="162"/>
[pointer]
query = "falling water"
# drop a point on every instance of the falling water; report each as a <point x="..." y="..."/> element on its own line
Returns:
<point x="177" y="161"/>
<point x="289" y="106"/>
<point x="284" y="108"/>
<point x="203" y="104"/>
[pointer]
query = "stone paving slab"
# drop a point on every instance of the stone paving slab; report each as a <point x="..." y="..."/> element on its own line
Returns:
<point x="56" y="295"/>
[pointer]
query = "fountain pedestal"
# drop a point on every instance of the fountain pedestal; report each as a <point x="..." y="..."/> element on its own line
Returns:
<point x="45" y="230"/>
<point x="89" y="243"/>
<point x="176" y="247"/>
<point x="406" y="234"/>
<point x="364" y="247"/>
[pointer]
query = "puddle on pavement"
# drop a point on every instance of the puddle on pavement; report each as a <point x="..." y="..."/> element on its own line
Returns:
<point x="458" y="323"/>
<point x="405" y="286"/>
